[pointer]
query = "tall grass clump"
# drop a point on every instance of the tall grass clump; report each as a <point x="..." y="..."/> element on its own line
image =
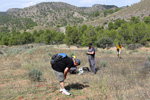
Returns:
<point x="49" y="53"/>
<point x="71" y="54"/>
<point x="35" y="75"/>
<point x="148" y="58"/>
<point x="103" y="63"/>
<point x="147" y="64"/>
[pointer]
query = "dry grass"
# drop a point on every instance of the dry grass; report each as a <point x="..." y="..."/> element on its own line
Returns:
<point x="121" y="79"/>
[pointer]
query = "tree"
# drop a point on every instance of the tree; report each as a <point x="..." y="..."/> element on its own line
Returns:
<point x="102" y="42"/>
<point x="13" y="40"/>
<point x="139" y="31"/>
<point x="134" y="20"/>
<point x="110" y="26"/>
<point x="48" y="36"/>
<point x="125" y="33"/>
<point x="72" y="35"/>
<point x="96" y="13"/>
<point x="118" y="23"/>
<point x="59" y="38"/>
<point x="25" y="38"/>
<point x="89" y="35"/>
<point x="147" y="20"/>
<point x="4" y="40"/>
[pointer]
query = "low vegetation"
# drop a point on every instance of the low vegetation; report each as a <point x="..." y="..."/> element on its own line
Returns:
<point x="116" y="79"/>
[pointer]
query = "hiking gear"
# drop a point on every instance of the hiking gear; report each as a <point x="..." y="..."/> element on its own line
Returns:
<point x="86" y="69"/>
<point x="57" y="57"/>
<point x="72" y="70"/>
<point x="80" y="70"/>
<point x="65" y="92"/>
<point x="77" y="61"/>
<point x="62" y="90"/>
<point x="61" y="65"/>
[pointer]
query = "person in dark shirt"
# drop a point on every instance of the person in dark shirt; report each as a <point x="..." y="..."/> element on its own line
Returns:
<point x="91" y="57"/>
<point x="61" y="69"/>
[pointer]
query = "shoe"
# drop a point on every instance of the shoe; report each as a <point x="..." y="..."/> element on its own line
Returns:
<point x="65" y="92"/>
<point x="62" y="90"/>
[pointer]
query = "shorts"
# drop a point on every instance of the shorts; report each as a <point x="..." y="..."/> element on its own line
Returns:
<point x="119" y="51"/>
<point x="59" y="75"/>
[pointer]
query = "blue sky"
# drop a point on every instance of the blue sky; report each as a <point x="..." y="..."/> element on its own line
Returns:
<point x="7" y="4"/>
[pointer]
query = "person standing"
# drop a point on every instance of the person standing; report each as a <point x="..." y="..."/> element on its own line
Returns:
<point x="119" y="49"/>
<point x="61" y="68"/>
<point x="107" y="46"/>
<point x="91" y="57"/>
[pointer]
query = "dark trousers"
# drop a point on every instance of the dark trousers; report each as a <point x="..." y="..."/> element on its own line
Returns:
<point x="92" y="65"/>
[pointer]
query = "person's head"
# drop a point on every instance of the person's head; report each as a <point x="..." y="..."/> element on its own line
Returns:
<point x="90" y="45"/>
<point x="76" y="62"/>
<point x="118" y="43"/>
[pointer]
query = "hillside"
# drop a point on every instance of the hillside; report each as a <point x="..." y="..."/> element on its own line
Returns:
<point x="52" y="14"/>
<point x="140" y="10"/>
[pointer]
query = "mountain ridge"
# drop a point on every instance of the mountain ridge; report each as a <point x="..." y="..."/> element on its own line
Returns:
<point x="140" y="10"/>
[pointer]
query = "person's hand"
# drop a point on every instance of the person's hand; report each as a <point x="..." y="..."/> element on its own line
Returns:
<point x="87" y="53"/>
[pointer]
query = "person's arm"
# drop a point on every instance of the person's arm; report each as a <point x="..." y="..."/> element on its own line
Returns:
<point x="91" y="52"/>
<point x="121" y="48"/>
<point x="65" y="72"/>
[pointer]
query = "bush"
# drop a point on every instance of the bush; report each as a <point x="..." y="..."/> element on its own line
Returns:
<point x="35" y="75"/>
<point x="50" y="54"/>
<point x="71" y="54"/>
<point x="148" y="58"/>
<point x="102" y="42"/>
<point x="133" y="46"/>
<point x="147" y="65"/>
<point x="103" y="63"/>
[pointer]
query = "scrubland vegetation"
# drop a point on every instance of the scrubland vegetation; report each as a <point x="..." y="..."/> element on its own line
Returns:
<point x="133" y="32"/>
<point x="116" y="79"/>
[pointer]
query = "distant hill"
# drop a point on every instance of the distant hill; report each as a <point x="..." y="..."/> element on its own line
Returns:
<point x="140" y="10"/>
<point x="98" y="7"/>
<point x="50" y="14"/>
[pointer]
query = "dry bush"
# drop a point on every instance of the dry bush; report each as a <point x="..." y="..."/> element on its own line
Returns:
<point x="35" y="75"/>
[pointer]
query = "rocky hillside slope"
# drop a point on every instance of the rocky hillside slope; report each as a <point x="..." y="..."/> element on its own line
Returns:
<point x="57" y="13"/>
<point x="140" y="10"/>
<point x="48" y="14"/>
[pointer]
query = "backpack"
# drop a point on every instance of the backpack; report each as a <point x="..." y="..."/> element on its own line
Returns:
<point x="57" y="57"/>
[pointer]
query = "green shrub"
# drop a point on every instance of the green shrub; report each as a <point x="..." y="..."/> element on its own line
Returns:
<point x="50" y="54"/>
<point x="148" y="58"/>
<point x="35" y="75"/>
<point x="103" y="63"/>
